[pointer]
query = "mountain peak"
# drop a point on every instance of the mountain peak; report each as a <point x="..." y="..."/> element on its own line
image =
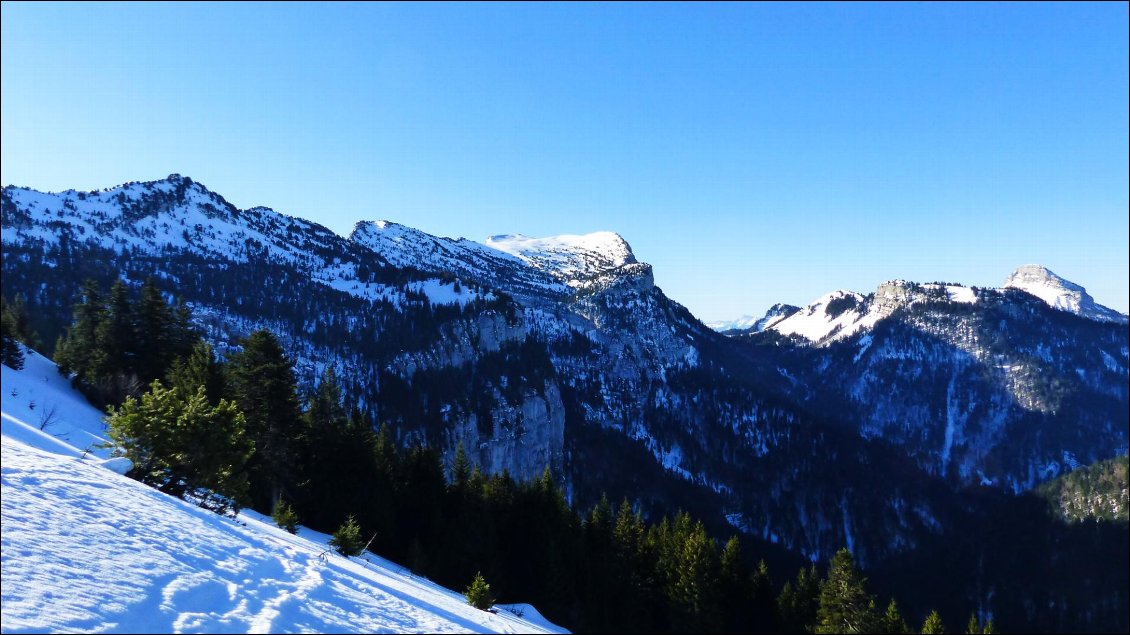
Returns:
<point x="1060" y="293"/>
<point x="569" y="257"/>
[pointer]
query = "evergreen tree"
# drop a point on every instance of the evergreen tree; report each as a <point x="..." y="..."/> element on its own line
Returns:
<point x="933" y="624"/>
<point x="185" y="446"/>
<point x="696" y="582"/>
<point x="798" y="601"/>
<point x="845" y="606"/>
<point x="460" y="468"/>
<point x="17" y="314"/>
<point x="284" y="516"/>
<point x="200" y="368"/>
<point x="763" y="609"/>
<point x="347" y="539"/>
<point x="990" y="628"/>
<point x="973" y="626"/>
<point x="157" y="335"/>
<point x="264" y="388"/>
<point x="77" y="349"/>
<point x="893" y="621"/>
<point x="11" y="355"/>
<point x="478" y="593"/>
<point x="115" y="337"/>
<point x="736" y="588"/>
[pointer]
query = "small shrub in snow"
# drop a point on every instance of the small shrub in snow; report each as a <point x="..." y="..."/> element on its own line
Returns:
<point x="285" y="516"/>
<point x="478" y="594"/>
<point x="347" y="539"/>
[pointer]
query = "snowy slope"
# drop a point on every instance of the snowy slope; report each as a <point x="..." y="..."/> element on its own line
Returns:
<point x="86" y="549"/>
<point x="570" y="258"/>
<point x="1060" y="294"/>
<point x="408" y="247"/>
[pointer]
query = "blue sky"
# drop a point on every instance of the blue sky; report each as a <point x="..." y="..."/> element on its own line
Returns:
<point x="753" y="153"/>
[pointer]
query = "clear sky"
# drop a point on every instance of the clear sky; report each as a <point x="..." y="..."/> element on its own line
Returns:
<point x="753" y="153"/>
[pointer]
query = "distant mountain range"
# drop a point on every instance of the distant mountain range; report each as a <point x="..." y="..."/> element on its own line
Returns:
<point x="884" y="422"/>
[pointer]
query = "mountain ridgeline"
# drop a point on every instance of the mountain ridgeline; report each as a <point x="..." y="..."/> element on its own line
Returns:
<point x="890" y="423"/>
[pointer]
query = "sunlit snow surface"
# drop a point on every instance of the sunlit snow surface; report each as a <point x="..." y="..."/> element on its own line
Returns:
<point x="85" y="549"/>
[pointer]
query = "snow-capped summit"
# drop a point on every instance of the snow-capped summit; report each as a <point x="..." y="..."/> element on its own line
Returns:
<point x="1060" y="294"/>
<point x="832" y="316"/>
<point x="569" y="257"/>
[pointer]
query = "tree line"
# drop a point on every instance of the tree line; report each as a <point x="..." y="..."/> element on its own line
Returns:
<point x="236" y="432"/>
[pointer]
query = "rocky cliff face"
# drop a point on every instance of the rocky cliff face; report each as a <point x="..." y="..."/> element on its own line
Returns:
<point x="979" y="386"/>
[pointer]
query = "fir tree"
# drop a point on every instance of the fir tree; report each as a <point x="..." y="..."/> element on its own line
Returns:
<point x="933" y="624"/>
<point x="200" y="368"/>
<point x="77" y="349"/>
<point x="478" y="593"/>
<point x="156" y="334"/>
<point x="284" y="516"/>
<point x="763" y="607"/>
<point x="736" y="587"/>
<point x="845" y="606"/>
<point x="11" y="355"/>
<point x="797" y="603"/>
<point x="460" y="468"/>
<point x="17" y="313"/>
<point x="115" y="337"/>
<point x="893" y="621"/>
<point x="347" y="539"/>
<point x="264" y="387"/>
<point x="696" y="582"/>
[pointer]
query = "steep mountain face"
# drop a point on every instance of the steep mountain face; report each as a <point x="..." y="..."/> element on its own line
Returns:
<point x="848" y="422"/>
<point x="978" y="386"/>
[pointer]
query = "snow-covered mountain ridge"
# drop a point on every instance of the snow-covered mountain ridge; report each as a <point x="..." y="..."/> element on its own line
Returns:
<point x="842" y="313"/>
<point x="564" y="353"/>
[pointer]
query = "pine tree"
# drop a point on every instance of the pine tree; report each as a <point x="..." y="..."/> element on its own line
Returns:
<point x="284" y="516"/>
<point x="798" y="602"/>
<point x="973" y="626"/>
<point x="200" y="368"/>
<point x="933" y="624"/>
<point x="736" y="588"/>
<point x="893" y="621"/>
<point x="347" y="539"/>
<point x="460" y="468"/>
<point x="17" y="313"/>
<point x="185" y="446"/>
<point x="115" y="337"/>
<point x="763" y="607"/>
<point x="478" y="593"/>
<point x="11" y="355"/>
<point x="264" y="388"/>
<point x="990" y="628"/>
<point x="696" y="584"/>
<point x="845" y="606"/>
<point x="153" y="334"/>
<point x="77" y="349"/>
